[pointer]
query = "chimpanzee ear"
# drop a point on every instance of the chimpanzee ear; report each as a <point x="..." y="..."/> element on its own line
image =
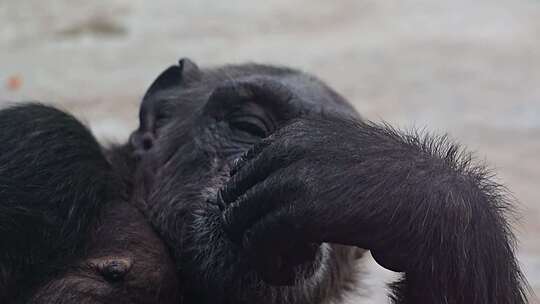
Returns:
<point x="152" y="105"/>
<point x="185" y="71"/>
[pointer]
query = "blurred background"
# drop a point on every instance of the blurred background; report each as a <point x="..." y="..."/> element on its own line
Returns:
<point x="469" y="68"/>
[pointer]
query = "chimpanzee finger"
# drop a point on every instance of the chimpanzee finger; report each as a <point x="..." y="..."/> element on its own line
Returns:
<point x="249" y="155"/>
<point x="277" y="248"/>
<point x="257" y="167"/>
<point x="245" y="178"/>
<point x="260" y="200"/>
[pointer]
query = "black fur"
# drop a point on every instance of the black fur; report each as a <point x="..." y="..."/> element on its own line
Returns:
<point x="45" y="211"/>
<point x="66" y="230"/>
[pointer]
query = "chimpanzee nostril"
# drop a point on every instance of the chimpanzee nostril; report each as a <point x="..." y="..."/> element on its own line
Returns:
<point x="113" y="270"/>
<point x="142" y="141"/>
<point x="147" y="141"/>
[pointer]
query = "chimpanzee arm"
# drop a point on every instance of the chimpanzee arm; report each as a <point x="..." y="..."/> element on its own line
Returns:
<point x="53" y="179"/>
<point x="417" y="202"/>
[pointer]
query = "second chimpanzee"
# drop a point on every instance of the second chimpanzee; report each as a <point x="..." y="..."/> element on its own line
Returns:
<point x="67" y="231"/>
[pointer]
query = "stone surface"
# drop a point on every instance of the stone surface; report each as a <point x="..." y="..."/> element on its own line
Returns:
<point x="469" y="68"/>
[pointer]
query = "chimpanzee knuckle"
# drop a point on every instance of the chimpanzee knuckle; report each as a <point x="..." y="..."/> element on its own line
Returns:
<point x="272" y="158"/>
<point x="289" y="150"/>
<point x="296" y="131"/>
<point x="259" y="147"/>
<point x="296" y="125"/>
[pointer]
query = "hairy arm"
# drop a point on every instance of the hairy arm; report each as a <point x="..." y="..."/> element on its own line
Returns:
<point x="418" y="202"/>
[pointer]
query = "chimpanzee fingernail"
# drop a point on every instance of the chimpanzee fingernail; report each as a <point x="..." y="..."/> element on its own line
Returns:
<point x="223" y="196"/>
<point x="237" y="164"/>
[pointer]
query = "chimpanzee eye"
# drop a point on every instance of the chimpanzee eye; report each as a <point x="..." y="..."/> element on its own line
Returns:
<point x="250" y="124"/>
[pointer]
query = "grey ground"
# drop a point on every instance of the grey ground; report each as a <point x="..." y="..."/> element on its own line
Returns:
<point x="469" y="68"/>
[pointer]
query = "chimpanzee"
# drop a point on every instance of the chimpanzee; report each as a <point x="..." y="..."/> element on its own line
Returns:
<point x="265" y="184"/>
<point x="266" y="187"/>
<point x="67" y="231"/>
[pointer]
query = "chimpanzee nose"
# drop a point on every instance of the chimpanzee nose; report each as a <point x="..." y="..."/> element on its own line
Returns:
<point x="112" y="269"/>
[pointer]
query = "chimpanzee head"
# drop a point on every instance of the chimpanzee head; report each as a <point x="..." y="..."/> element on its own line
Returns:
<point x="123" y="261"/>
<point x="67" y="233"/>
<point x="194" y="124"/>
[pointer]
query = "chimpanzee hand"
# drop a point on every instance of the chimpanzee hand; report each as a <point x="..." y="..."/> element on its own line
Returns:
<point x="416" y="202"/>
<point x="298" y="188"/>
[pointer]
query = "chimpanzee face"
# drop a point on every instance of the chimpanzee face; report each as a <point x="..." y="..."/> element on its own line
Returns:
<point x="68" y="233"/>
<point x="125" y="262"/>
<point x="193" y="125"/>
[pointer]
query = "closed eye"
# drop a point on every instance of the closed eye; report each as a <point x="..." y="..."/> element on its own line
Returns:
<point x="251" y="124"/>
<point x="251" y="119"/>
